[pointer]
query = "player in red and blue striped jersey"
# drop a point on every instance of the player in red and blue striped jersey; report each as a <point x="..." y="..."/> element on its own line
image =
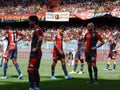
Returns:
<point x="35" y="54"/>
<point x="91" y="38"/>
<point x="11" y="52"/>
<point x="79" y="55"/>
<point x="113" y="46"/>
<point x="58" y="54"/>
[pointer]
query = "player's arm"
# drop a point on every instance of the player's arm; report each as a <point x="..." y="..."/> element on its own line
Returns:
<point x="2" y="49"/>
<point x="39" y="43"/>
<point x="40" y="40"/>
<point x="117" y="46"/>
<point x="58" y="48"/>
<point x="84" y="43"/>
<point x="101" y="41"/>
<point x="20" y="34"/>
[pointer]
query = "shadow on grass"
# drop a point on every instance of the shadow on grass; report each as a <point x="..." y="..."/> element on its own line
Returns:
<point x="62" y="84"/>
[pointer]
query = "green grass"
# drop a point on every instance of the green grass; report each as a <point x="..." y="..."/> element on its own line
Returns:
<point x="108" y="80"/>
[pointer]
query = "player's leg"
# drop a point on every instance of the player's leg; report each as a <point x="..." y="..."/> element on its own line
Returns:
<point x="36" y="74"/>
<point x="77" y="55"/>
<point x="88" y="60"/>
<point x="5" y="68"/>
<point x="108" y="62"/>
<point x="95" y="69"/>
<point x="53" y="70"/>
<point x="114" y="61"/>
<point x="71" y="59"/>
<point x="17" y="68"/>
<point x="82" y="57"/>
<point x="90" y="72"/>
<point x="63" y="63"/>
<point x="14" y="60"/>
<point x="114" y="64"/>
<point x="81" y="66"/>
<point x="53" y="66"/>
<point x="64" y="68"/>
<point x="1" y="63"/>
<point x="95" y="72"/>
<point x="68" y="61"/>
<point x="6" y="56"/>
<point x="30" y="71"/>
<point x="4" y="51"/>
<point x="75" y="65"/>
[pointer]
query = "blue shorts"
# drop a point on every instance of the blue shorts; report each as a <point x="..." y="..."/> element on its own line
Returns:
<point x="112" y="55"/>
<point x="80" y="54"/>
<point x="12" y="54"/>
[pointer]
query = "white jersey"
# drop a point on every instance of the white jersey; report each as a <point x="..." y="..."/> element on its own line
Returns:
<point x="4" y="43"/>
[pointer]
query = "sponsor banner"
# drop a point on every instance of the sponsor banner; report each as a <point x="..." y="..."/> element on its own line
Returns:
<point x="57" y="16"/>
<point x="89" y="15"/>
<point x="19" y="18"/>
<point x="84" y="15"/>
<point x="100" y="14"/>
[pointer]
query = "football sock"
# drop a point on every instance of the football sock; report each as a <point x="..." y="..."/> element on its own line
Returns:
<point x="31" y="79"/>
<point x="52" y="70"/>
<point x="107" y="66"/>
<point x="114" y="66"/>
<point x="17" y="68"/>
<point x="90" y="73"/>
<point x="75" y="66"/>
<point x="95" y="73"/>
<point x="65" y="71"/>
<point x="81" y="67"/>
<point x="68" y="62"/>
<point x="5" y="69"/>
<point x="37" y="79"/>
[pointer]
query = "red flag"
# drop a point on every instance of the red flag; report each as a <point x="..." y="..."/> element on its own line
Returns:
<point x="52" y="4"/>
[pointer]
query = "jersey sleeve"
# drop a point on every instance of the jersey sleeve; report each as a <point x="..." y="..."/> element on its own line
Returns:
<point x="20" y="33"/>
<point x="99" y="37"/>
<point x="39" y="32"/>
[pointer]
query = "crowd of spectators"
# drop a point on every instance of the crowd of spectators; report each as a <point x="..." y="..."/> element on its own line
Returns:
<point x="37" y="6"/>
<point x="71" y="32"/>
<point x="16" y="7"/>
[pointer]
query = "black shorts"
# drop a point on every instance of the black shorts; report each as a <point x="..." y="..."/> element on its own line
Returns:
<point x="90" y="57"/>
<point x="112" y="55"/>
<point x="60" y="56"/>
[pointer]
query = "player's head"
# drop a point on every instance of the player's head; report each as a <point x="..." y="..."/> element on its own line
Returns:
<point x="111" y="37"/>
<point x="80" y="31"/>
<point x="33" y="20"/>
<point x="90" y="27"/>
<point x="61" y="28"/>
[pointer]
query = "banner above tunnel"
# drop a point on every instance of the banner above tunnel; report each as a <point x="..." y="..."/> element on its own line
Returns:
<point x="89" y="15"/>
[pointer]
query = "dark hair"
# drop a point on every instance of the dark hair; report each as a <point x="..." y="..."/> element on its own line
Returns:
<point x="34" y="18"/>
<point x="62" y="27"/>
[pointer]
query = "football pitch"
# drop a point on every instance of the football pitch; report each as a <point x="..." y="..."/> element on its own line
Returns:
<point x="108" y="80"/>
